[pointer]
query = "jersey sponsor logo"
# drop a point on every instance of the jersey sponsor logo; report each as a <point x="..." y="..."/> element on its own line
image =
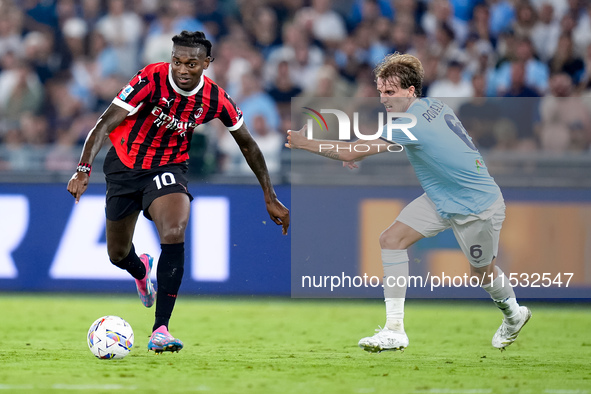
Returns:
<point x="170" y="122"/>
<point x="125" y="92"/>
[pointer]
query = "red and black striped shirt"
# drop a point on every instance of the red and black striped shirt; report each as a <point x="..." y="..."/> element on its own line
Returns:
<point x="162" y="117"/>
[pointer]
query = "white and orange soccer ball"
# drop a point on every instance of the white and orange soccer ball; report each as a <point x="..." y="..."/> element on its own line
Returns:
<point x="110" y="337"/>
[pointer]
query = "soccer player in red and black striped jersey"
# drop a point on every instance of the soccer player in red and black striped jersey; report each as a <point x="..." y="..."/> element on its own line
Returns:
<point x="150" y="124"/>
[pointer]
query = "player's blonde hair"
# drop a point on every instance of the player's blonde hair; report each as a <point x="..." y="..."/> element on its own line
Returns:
<point x="407" y="68"/>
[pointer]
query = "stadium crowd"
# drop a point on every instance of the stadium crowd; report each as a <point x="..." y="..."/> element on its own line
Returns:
<point x="63" y="61"/>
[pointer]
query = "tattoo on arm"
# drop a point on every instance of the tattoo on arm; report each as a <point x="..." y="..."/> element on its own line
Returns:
<point x="330" y="154"/>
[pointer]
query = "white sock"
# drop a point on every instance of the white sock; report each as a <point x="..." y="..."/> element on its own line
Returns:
<point x="503" y="296"/>
<point x="395" y="264"/>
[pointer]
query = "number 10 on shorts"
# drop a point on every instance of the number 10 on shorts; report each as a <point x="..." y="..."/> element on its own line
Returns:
<point x="164" y="179"/>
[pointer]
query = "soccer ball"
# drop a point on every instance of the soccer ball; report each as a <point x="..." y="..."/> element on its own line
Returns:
<point x="110" y="337"/>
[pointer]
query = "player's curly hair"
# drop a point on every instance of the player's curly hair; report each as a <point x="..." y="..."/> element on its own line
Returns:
<point x="192" y="40"/>
<point x="406" y="67"/>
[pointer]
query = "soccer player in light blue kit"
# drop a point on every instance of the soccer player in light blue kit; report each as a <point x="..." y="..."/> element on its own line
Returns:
<point x="459" y="193"/>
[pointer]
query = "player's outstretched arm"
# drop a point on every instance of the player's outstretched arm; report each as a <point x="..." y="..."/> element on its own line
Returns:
<point x="107" y="122"/>
<point x="336" y="150"/>
<point x="251" y="152"/>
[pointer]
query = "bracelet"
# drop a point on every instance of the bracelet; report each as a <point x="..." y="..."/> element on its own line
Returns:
<point x="84" y="167"/>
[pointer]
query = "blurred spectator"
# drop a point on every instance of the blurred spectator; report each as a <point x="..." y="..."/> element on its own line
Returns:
<point x="505" y="136"/>
<point x="91" y="12"/>
<point x="440" y="13"/>
<point x="266" y="31"/>
<point x="39" y="15"/>
<point x="283" y="88"/>
<point x="322" y="23"/>
<point x="566" y="61"/>
<point x="560" y="7"/>
<point x="34" y="130"/>
<point x="502" y="15"/>
<point x="122" y="29"/>
<point x="453" y="86"/>
<point x="61" y="108"/>
<point x="369" y="10"/>
<point x="158" y="38"/>
<point x="38" y="53"/>
<point x="545" y="33"/>
<point x="329" y="84"/>
<point x="566" y="121"/>
<point x="463" y="9"/>
<point x="522" y="104"/>
<point x="24" y="144"/>
<point x="506" y="48"/>
<point x="62" y="156"/>
<point x="21" y="91"/>
<point x="568" y="23"/>
<point x="369" y="49"/>
<point x="10" y="30"/>
<point x="431" y="69"/>
<point x="421" y="45"/>
<point x="253" y="101"/>
<point x="304" y="58"/>
<point x="408" y="10"/>
<point x="269" y="140"/>
<point x="212" y="16"/>
<point x="585" y="84"/>
<point x="536" y="72"/>
<point x="103" y="55"/>
<point x="519" y="86"/>
<point x="401" y="35"/>
<point x="479" y="26"/>
<point x="582" y="32"/>
<point x="525" y="19"/>
<point x="184" y="18"/>
<point x="480" y="115"/>
<point x="480" y="55"/>
<point x="82" y="72"/>
<point x="446" y="48"/>
<point x="348" y="60"/>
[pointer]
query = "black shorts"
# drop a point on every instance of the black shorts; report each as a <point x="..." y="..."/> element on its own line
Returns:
<point x="130" y="190"/>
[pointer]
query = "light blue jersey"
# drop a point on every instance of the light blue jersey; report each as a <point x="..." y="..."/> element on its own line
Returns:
<point x="448" y="165"/>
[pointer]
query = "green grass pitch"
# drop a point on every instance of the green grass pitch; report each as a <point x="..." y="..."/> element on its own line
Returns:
<point x="256" y="345"/>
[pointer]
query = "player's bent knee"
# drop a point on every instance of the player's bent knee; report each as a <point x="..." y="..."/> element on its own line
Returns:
<point x="116" y="254"/>
<point x="389" y="240"/>
<point x="487" y="271"/>
<point x="173" y="235"/>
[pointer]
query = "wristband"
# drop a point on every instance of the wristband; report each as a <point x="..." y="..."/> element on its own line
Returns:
<point x="84" y="167"/>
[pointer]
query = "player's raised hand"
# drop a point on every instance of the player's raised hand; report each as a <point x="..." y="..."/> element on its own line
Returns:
<point x="296" y="139"/>
<point x="78" y="185"/>
<point x="279" y="214"/>
<point x="350" y="164"/>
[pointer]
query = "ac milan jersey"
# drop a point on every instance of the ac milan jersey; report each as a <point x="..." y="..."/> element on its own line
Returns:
<point x="162" y="117"/>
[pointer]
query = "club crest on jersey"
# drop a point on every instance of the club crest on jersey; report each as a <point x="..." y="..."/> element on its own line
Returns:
<point x="170" y="122"/>
<point x="198" y="113"/>
<point x="125" y="92"/>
